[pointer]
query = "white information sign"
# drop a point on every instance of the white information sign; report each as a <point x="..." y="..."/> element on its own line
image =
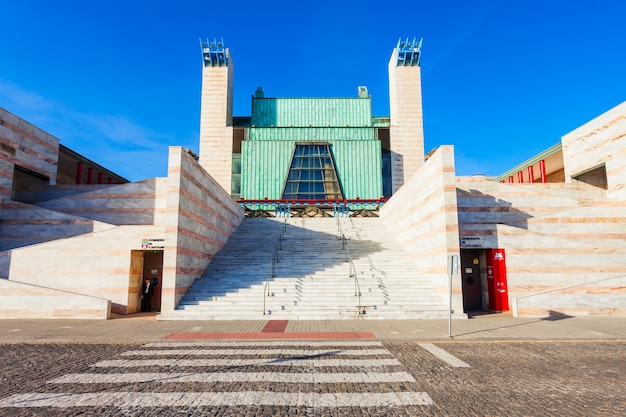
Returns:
<point x="472" y="242"/>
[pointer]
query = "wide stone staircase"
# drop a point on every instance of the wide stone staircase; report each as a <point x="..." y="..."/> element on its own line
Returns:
<point x="310" y="268"/>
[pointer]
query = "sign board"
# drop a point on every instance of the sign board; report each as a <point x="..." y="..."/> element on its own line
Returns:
<point x="152" y="243"/>
<point x="472" y="242"/>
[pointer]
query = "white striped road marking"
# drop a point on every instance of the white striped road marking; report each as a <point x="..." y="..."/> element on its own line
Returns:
<point x="444" y="356"/>
<point x="229" y="352"/>
<point x="366" y="363"/>
<point x="245" y="398"/>
<point x="258" y="344"/>
<point x="304" y="377"/>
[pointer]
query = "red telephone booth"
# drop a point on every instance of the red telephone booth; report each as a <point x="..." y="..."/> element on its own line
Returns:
<point x="496" y="280"/>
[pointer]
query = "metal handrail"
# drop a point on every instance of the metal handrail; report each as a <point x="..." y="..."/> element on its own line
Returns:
<point x="351" y="269"/>
<point x="352" y="273"/>
<point x="271" y="273"/>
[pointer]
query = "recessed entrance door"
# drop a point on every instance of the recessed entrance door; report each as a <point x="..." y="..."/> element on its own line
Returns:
<point x="153" y="268"/>
<point x="470" y="274"/>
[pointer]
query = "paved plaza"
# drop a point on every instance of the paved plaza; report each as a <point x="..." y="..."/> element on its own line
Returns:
<point x="492" y="365"/>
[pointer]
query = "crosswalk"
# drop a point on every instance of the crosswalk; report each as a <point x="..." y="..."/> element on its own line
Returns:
<point x="219" y="373"/>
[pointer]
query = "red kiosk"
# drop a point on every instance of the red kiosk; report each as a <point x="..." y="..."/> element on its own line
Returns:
<point x="496" y="280"/>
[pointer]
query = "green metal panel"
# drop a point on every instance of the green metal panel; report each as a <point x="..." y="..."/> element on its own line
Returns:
<point x="266" y="163"/>
<point x="359" y="168"/>
<point x="278" y="123"/>
<point x="314" y="134"/>
<point x="315" y="112"/>
<point x="264" y="167"/>
<point x="381" y="121"/>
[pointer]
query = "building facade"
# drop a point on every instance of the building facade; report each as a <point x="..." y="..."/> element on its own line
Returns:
<point x="268" y="155"/>
<point x="544" y="238"/>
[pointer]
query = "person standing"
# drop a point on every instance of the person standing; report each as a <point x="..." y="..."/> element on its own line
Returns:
<point x="147" y="289"/>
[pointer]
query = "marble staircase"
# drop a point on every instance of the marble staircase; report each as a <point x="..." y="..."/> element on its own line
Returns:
<point x="312" y="278"/>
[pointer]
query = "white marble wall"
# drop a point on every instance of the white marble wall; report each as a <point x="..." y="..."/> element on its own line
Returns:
<point x="97" y="264"/>
<point x="188" y="209"/>
<point x="603" y="297"/>
<point x="600" y="141"/>
<point x="131" y="203"/>
<point x="423" y="217"/>
<point x="555" y="236"/>
<point x="26" y="301"/>
<point x="201" y="216"/>
<point x="22" y="224"/>
<point x="24" y="144"/>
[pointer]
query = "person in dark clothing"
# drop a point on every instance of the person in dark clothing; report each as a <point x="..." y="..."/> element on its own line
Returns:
<point x="147" y="289"/>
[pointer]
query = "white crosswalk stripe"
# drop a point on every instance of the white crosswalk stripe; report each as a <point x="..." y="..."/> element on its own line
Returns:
<point x="293" y="361"/>
<point x="238" y="352"/>
<point x="298" y="377"/>
<point x="142" y="399"/>
<point x="444" y="356"/>
<point x="248" y="364"/>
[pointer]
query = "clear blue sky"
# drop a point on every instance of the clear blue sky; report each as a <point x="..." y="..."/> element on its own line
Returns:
<point x="119" y="80"/>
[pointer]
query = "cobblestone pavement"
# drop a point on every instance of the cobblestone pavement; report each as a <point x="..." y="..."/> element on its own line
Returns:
<point x="314" y="378"/>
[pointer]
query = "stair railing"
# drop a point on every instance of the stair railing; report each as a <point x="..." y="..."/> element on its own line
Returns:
<point x="351" y="269"/>
<point x="271" y="273"/>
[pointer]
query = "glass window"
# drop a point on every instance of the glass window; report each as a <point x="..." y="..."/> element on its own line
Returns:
<point x="235" y="187"/>
<point x="312" y="174"/>
<point x="236" y="166"/>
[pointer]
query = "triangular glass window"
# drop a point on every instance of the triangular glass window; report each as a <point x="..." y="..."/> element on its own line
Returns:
<point x="312" y="174"/>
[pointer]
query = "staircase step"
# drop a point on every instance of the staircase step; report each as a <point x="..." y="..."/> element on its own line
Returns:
<point x="312" y="278"/>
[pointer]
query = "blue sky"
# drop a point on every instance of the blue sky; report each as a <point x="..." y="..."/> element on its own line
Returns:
<point x="119" y="81"/>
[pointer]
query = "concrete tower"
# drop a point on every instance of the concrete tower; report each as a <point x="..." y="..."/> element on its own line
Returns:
<point x="405" y="105"/>
<point x="216" y="113"/>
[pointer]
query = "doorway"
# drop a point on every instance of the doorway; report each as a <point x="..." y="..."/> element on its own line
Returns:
<point x="153" y="268"/>
<point x="470" y="277"/>
<point x="144" y="264"/>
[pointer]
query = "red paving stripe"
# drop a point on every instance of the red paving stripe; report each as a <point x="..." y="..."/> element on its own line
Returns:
<point x="274" y="335"/>
<point x="275" y="326"/>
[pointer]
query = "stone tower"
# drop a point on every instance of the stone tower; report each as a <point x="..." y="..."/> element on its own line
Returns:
<point x="405" y="105"/>
<point x="216" y="113"/>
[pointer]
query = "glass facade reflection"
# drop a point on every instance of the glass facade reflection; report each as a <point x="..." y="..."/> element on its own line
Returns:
<point x="312" y="174"/>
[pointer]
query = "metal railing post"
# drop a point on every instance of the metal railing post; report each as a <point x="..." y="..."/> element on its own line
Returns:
<point x="271" y="273"/>
<point x="351" y="269"/>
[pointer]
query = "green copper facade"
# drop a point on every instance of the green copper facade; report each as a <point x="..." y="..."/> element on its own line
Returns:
<point x="278" y="124"/>
<point x="312" y="112"/>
